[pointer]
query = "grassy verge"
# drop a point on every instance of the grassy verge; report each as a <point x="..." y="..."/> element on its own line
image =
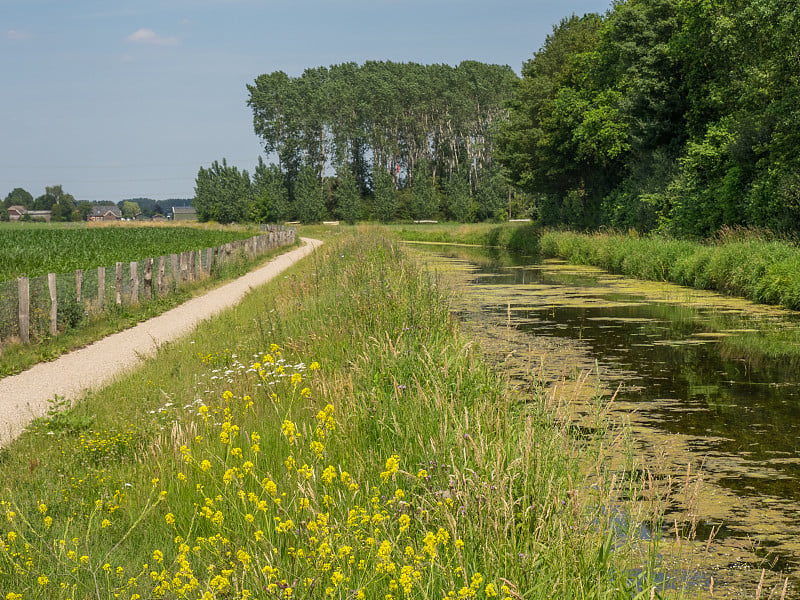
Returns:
<point x="17" y="357"/>
<point x="737" y="263"/>
<point x="332" y="436"/>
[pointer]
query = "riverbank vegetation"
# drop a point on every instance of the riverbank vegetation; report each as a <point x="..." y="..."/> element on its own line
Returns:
<point x="737" y="263"/>
<point x="740" y="262"/>
<point x="332" y="436"/>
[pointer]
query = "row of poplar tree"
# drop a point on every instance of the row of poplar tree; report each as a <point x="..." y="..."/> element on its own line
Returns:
<point x="676" y="115"/>
<point x="382" y="140"/>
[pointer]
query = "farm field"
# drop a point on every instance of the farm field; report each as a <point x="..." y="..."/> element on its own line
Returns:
<point x="33" y="250"/>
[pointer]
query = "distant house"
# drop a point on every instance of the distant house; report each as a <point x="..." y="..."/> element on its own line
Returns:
<point x="16" y="212"/>
<point x="184" y="213"/>
<point x="158" y="217"/>
<point x="105" y="213"/>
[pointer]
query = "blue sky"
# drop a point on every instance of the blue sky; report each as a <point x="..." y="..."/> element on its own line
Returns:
<point x="125" y="99"/>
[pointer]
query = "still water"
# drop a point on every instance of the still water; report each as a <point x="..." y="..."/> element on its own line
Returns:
<point x="707" y="383"/>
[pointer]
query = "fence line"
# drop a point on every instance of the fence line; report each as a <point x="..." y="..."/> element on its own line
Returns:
<point x="33" y="308"/>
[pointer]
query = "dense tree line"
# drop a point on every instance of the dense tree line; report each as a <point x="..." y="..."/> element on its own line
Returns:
<point x="380" y="140"/>
<point x="681" y="115"/>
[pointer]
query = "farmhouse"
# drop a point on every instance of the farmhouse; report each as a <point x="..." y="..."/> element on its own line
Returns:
<point x="105" y="213"/>
<point x="16" y="212"/>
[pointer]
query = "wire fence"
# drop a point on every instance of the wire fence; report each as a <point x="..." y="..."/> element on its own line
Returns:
<point x="35" y="308"/>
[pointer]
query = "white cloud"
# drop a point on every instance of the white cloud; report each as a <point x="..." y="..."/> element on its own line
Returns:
<point x="148" y="36"/>
<point x="15" y="35"/>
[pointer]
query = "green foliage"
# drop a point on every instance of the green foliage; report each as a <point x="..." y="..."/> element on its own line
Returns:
<point x="222" y="194"/>
<point x="347" y="197"/>
<point x="425" y="201"/>
<point x="384" y="203"/>
<point x="270" y="196"/>
<point x="400" y="117"/>
<point x="663" y="114"/>
<point x="458" y="199"/>
<point x="18" y="197"/>
<point x="130" y="209"/>
<point x="309" y="203"/>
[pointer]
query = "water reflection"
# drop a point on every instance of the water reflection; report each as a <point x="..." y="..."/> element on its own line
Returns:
<point x="693" y="367"/>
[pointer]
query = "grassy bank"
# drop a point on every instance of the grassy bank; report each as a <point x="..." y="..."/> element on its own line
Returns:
<point x="736" y="263"/>
<point x="333" y="436"/>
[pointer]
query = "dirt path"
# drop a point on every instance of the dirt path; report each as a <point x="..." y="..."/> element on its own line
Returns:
<point x="25" y="396"/>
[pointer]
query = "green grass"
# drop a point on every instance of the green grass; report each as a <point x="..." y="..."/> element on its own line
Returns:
<point x="332" y="436"/>
<point x="37" y="249"/>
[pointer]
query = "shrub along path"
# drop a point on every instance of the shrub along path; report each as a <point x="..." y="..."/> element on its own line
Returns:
<point x="25" y="396"/>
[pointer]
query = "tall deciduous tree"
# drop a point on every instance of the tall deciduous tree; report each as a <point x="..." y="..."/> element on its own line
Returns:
<point x="384" y="201"/>
<point x="270" y="196"/>
<point x="459" y="201"/>
<point x="309" y="201"/>
<point x="222" y="194"/>
<point x="19" y="197"/>
<point x="425" y="203"/>
<point x="347" y="197"/>
<point x="383" y="115"/>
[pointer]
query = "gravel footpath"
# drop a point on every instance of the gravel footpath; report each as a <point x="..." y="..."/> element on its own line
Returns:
<point x="25" y="396"/>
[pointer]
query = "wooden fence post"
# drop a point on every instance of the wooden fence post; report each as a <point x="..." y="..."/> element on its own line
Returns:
<point x="183" y="267"/>
<point x="78" y="285"/>
<point x="192" y="267"/>
<point x="101" y="287"/>
<point x="51" y="284"/>
<point x="24" y="293"/>
<point x="148" y="279"/>
<point x="134" y="277"/>
<point x="173" y="259"/>
<point x="209" y="256"/>
<point x="118" y="286"/>
<point x="162" y="275"/>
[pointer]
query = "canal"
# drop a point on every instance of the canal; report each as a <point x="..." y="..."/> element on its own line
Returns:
<point x="709" y="386"/>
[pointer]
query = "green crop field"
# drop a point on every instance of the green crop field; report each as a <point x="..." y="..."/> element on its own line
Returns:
<point x="33" y="250"/>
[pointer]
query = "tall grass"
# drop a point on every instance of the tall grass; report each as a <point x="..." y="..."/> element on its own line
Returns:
<point x="736" y="263"/>
<point x="333" y="436"/>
